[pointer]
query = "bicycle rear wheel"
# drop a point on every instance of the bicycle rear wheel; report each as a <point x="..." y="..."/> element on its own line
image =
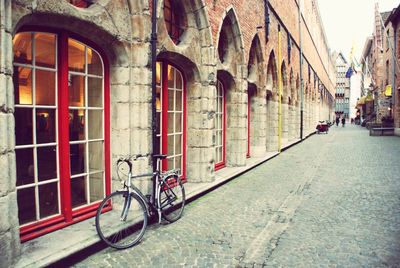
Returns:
<point x="121" y="220"/>
<point x="171" y="198"/>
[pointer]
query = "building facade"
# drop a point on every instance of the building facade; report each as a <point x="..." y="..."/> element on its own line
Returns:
<point x="342" y="95"/>
<point x="365" y="104"/>
<point x="381" y="61"/>
<point x="76" y="94"/>
<point x="392" y="56"/>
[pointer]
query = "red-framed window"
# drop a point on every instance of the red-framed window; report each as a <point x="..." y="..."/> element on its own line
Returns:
<point x="81" y="3"/>
<point x="175" y="19"/>
<point x="61" y="90"/>
<point x="220" y="126"/>
<point x="171" y="116"/>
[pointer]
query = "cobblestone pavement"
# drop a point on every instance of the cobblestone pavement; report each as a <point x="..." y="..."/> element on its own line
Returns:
<point x="332" y="200"/>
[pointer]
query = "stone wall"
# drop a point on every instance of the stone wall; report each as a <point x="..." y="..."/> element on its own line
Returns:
<point x="9" y="227"/>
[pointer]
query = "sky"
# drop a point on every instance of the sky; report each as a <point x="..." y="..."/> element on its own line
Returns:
<point x="349" y="22"/>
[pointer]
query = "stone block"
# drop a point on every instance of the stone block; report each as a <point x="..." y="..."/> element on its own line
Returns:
<point x="140" y="115"/>
<point x="141" y="54"/>
<point x="6" y="252"/>
<point x="141" y="141"/>
<point x="120" y="115"/>
<point x="141" y="26"/>
<point x="3" y="91"/>
<point x="119" y="75"/>
<point x="141" y="93"/>
<point x="200" y="138"/>
<point x="4" y="132"/>
<point x="207" y="55"/>
<point x="200" y="172"/>
<point x="5" y="212"/>
<point x="193" y="105"/>
<point x="120" y="140"/>
<point x="206" y="38"/>
<point x="141" y="76"/>
<point x="119" y="93"/>
<point x="4" y="175"/>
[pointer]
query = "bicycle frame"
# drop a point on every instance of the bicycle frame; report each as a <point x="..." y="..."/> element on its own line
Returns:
<point x="148" y="202"/>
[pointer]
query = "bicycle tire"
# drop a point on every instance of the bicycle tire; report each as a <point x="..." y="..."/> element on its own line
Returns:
<point x="117" y="228"/>
<point x="172" y="198"/>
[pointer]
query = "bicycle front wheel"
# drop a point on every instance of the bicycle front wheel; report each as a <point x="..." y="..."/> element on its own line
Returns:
<point x="121" y="220"/>
<point x="171" y="198"/>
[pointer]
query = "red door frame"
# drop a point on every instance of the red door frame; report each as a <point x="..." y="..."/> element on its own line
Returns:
<point x="68" y="215"/>
<point x="248" y="121"/>
<point x="164" y="115"/>
<point x="221" y="164"/>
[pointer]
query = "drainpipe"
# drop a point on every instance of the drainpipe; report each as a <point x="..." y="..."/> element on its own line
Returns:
<point x="394" y="49"/>
<point x="280" y="90"/>
<point x="301" y="74"/>
<point x="153" y="86"/>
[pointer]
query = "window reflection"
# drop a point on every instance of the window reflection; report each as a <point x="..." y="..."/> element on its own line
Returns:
<point x="77" y="158"/>
<point x="76" y="125"/>
<point x="45" y="49"/>
<point x="76" y="56"/>
<point x="45" y="126"/>
<point x="23" y="85"/>
<point x="45" y="87"/>
<point x="78" y="191"/>
<point x="22" y="46"/>
<point x="23" y="126"/>
<point x="25" y="168"/>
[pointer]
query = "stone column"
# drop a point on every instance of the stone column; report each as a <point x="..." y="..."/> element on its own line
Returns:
<point x="285" y="122"/>
<point x="9" y="225"/>
<point x="258" y="128"/>
<point x="236" y="128"/>
<point x="273" y="134"/>
<point x="201" y="103"/>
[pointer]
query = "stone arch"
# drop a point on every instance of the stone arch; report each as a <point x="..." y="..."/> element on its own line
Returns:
<point x="285" y="107"/>
<point x="199" y="118"/>
<point x="255" y="63"/>
<point x="230" y="48"/>
<point x="198" y="26"/>
<point x="235" y="142"/>
<point x="272" y="76"/>
<point x="272" y="103"/>
<point x="117" y="53"/>
<point x="256" y="101"/>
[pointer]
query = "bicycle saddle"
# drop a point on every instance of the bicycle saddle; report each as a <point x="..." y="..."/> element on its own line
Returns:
<point x="160" y="156"/>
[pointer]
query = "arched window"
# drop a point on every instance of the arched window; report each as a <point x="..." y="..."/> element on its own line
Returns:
<point x="220" y="126"/>
<point x="82" y="3"/>
<point x="175" y="19"/>
<point x="171" y="107"/>
<point x="61" y="129"/>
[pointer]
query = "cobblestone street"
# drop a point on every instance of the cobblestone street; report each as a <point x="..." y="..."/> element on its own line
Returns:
<point x="332" y="200"/>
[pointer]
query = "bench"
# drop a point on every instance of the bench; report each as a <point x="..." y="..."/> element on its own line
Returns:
<point x="381" y="131"/>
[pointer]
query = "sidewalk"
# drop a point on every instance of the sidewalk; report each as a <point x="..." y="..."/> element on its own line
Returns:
<point x="56" y="246"/>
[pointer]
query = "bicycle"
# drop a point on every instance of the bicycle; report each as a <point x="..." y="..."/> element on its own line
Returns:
<point x="122" y="216"/>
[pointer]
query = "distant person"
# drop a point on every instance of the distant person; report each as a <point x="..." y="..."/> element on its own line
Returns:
<point x="343" y="121"/>
<point x="337" y="121"/>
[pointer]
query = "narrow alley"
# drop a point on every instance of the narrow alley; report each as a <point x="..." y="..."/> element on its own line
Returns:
<point x="331" y="200"/>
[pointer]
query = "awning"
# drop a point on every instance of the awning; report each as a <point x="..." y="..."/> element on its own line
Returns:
<point x="388" y="91"/>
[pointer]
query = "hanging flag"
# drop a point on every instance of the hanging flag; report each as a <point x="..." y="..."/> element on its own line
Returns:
<point x="349" y="72"/>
